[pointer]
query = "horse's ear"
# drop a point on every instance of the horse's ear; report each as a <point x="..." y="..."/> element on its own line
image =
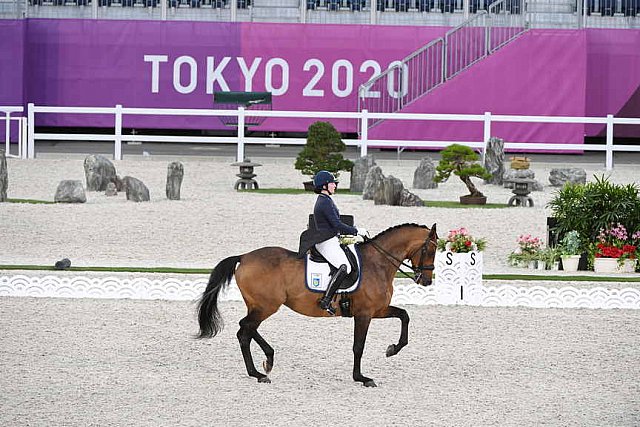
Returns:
<point x="433" y="229"/>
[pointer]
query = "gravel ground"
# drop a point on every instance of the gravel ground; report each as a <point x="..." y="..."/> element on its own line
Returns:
<point x="134" y="363"/>
<point x="70" y="362"/>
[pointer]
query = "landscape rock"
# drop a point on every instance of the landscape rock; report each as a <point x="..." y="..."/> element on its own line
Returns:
<point x="175" y="172"/>
<point x="4" y="177"/>
<point x="360" y="171"/>
<point x="389" y="192"/>
<point x="372" y="183"/>
<point x="424" y="174"/>
<point x="98" y="171"/>
<point x="135" y="189"/>
<point x="407" y="198"/>
<point x="559" y="176"/>
<point x="70" y="191"/>
<point x="494" y="160"/>
<point x="111" y="190"/>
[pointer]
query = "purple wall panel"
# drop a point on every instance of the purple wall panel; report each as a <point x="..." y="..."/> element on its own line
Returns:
<point x="310" y="67"/>
<point x="11" y="61"/>
<point x="613" y="75"/>
<point x="512" y="81"/>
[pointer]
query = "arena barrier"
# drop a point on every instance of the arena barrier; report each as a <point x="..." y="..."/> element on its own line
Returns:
<point x="363" y="117"/>
<point x="405" y="292"/>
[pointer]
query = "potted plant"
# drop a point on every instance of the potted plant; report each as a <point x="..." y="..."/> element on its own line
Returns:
<point x="591" y="207"/>
<point x="528" y="252"/>
<point x="570" y="250"/>
<point x="462" y="161"/>
<point x="614" y="251"/>
<point x="550" y="257"/>
<point x="323" y="151"/>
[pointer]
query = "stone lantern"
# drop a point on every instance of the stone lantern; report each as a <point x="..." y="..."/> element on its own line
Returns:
<point x="246" y="175"/>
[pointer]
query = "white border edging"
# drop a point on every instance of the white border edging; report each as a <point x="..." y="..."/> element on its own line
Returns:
<point x="405" y="292"/>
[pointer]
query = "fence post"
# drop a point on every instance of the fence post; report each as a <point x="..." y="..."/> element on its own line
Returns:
<point x="240" y="153"/>
<point x="31" y="123"/>
<point x="364" y="132"/>
<point x="609" y="154"/>
<point x="117" y="149"/>
<point x="7" y="132"/>
<point x="22" y="138"/>
<point x="487" y="133"/>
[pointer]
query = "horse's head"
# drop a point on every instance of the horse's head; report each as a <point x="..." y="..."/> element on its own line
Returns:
<point x="423" y="258"/>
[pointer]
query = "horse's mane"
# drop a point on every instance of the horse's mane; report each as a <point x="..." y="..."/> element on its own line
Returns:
<point x="395" y="227"/>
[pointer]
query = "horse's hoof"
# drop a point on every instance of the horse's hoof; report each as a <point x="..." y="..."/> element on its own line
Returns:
<point x="391" y="350"/>
<point x="370" y="383"/>
<point x="267" y="366"/>
<point x="264" y="379"/>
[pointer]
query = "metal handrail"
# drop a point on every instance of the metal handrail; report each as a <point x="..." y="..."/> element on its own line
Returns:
<point x="441" y="59"/>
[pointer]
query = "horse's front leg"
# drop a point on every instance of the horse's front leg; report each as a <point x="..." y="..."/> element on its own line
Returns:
<point x="361" y="327"/>
<point x="401" y="314"/>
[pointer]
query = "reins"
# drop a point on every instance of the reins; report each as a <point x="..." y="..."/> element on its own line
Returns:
<point x="417" y="271"/>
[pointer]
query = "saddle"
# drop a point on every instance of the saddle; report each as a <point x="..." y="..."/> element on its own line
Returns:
<point x="318" y="271"/>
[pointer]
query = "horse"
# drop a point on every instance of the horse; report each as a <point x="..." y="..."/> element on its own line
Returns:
<point x="272" y="276"/>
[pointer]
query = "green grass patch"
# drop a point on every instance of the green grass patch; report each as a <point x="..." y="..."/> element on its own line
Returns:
<point x="559" y="278"/>
<point x="171" y="270"/>
<point x="458" y="205"/>
<point x="31" y="201"/>
<point x="113" y="269"/>
<point x="294" y="191"/>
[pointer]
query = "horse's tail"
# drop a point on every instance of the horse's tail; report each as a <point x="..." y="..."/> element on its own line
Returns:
<point x="208" y="315"/>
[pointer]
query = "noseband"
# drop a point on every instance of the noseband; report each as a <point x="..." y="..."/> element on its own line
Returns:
<point x="419" y="269"/>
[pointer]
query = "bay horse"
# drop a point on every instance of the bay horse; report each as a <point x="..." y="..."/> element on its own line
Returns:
<point x="272" y="276"/>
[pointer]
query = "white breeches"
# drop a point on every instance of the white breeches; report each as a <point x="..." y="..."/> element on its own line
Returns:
<point x="331" y="250"/>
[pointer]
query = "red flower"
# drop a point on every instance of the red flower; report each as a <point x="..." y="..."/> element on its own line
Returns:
<point x="468" y="243"/>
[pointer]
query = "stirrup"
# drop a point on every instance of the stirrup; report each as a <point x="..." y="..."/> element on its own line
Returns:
<point x="329" y="309"/>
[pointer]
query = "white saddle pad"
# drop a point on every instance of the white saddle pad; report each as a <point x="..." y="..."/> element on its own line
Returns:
<point x="318" y="274"/>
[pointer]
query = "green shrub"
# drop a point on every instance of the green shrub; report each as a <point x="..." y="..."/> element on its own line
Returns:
<point x="323" y="151"/>
<point x="463" y="162"/>
<point x="594" y="206"/>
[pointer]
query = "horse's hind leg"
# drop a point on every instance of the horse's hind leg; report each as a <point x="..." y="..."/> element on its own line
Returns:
<point x="401" y="314"/>
<point x="248" y="331"/>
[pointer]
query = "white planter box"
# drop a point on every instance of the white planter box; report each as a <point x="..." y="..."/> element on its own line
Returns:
<point x="458" y="277"/>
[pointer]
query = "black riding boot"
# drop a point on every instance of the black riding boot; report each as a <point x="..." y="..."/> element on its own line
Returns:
<point x="334" y="284"/>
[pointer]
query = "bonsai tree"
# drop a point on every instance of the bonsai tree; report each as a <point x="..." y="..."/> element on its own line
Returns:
<point x="323" y="151"/>
<point x="462" y="161"/>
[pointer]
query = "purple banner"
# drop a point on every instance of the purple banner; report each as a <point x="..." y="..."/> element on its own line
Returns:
<point x="177" y="64"/>
<point x="511" y="81"/>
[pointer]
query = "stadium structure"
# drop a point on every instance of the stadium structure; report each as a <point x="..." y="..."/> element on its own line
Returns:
<point x="510" y="57"/>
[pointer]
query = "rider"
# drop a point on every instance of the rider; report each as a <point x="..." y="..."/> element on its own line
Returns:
<point x="327" y="219"/>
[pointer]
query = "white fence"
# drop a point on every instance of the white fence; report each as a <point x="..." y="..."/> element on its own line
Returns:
<point x="28" y="148"/>
<point x="21" y="121"/>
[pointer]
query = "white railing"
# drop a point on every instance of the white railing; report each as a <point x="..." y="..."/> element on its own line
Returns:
<point x="363" y="117"/>
<point x="8" y="110"/>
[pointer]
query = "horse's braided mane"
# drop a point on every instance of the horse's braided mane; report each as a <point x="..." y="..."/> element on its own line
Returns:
<point x="388" y="230"/>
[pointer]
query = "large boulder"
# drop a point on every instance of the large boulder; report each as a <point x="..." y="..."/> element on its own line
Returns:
<point x="494" y="160"/>
<point x="175" y="172"/>
<point x="407" y="198"/>
<point x="424" y="174"/>
<point x="70" y="191"/>
<point x="559" y="176"/>
<point x="4" y="177"/>
<point x="360" y="171"/>
<point x="99" y="171"/>
<point x="136" y="190"/>
<point x="389" y="192"/>
<point x="372" y="183"/>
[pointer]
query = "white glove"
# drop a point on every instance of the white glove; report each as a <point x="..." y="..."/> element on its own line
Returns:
<point x="362" y="232"/>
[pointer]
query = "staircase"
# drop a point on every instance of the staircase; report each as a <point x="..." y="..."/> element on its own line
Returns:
<point x="442" y="59"/>
<point x="276" y="11"/>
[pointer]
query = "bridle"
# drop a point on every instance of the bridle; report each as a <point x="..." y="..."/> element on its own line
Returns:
<point x="417" y="270"/>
